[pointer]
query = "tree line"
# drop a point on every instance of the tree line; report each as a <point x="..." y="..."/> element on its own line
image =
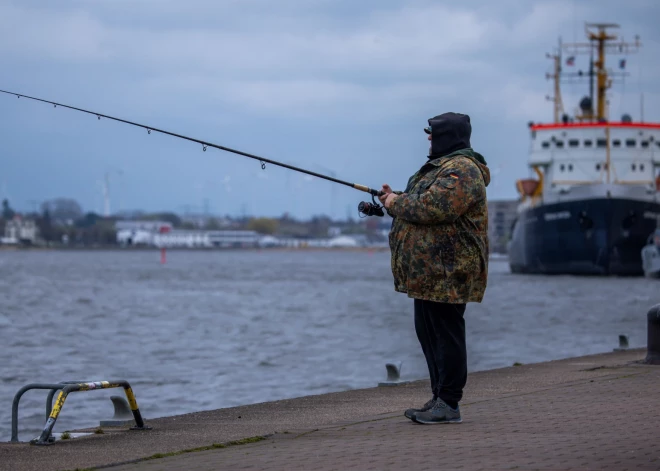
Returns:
<point x="62" y="220"/>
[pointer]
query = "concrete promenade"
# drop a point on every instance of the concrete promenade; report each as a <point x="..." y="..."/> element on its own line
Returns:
<point x="588" y="413"/>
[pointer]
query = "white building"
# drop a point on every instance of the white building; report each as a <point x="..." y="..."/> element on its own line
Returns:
<point x="342" y="241"/>
<point x="135" y="237"/>
<point x="206" y="239"/>
<point x="181" y="238"/>
<point x="20" y="230"/>
<point x="149" y="226"/>
<point x="161" y="234"/>
<point x="334" y="242"/>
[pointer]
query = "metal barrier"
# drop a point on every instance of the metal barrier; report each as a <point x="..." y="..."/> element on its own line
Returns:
<point x="49" y="401"/>
<point x="51" y="394"/>
<point x="52" y="412"/>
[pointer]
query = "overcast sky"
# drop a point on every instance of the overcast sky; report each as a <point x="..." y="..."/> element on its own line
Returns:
<point x="338" y="87"/>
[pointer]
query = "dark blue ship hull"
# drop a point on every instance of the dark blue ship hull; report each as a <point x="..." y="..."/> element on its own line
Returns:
<point x="587" y="237"/>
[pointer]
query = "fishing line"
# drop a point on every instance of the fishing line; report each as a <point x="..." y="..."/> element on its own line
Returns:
<point x="205" y="144"/>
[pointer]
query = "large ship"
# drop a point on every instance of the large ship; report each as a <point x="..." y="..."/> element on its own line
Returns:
<point x="595" y="195"/>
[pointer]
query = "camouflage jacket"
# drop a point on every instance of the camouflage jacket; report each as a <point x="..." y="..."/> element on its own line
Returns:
<point x="439" y="235"/>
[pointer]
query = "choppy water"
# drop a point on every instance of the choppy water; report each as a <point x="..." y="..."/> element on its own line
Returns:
<point x="218" y="329"/>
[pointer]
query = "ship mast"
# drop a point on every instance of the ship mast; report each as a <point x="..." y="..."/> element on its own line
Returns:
<point x="556" y="76"/>
<point x="601" y="72"/>
<point x="601" y="42"/>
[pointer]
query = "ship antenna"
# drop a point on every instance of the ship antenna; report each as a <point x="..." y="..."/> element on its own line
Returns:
<point x="641" y="93"/>
<point x="600" y="42"/>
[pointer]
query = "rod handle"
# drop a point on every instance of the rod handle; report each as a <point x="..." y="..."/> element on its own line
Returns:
<point x="366" y="189"/>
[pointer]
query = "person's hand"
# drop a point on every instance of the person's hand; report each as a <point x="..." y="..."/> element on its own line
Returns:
<point x="386" y="191"/>
<point x="389" y="199"/>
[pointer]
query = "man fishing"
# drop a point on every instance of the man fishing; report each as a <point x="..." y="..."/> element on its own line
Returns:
<point x="439" y="244"/>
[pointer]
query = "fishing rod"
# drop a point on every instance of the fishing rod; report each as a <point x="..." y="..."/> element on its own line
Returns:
<point x="366" y="208"/>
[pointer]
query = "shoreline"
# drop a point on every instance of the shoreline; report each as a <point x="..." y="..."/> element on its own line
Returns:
<point x="114" y="248"/>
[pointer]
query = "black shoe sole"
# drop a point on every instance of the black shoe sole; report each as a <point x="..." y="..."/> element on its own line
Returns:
<point x="433" y="422"/>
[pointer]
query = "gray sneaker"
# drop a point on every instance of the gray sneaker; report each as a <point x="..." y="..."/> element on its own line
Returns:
<point x="439" y="413"/>
<point x="410" y="413"/>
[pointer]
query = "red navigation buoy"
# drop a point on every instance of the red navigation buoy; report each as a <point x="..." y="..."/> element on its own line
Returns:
<point x="163" y="254"/>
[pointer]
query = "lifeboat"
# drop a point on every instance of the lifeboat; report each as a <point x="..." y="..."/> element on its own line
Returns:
<point x="530" y="187"/>
<point x="527" y="186"/>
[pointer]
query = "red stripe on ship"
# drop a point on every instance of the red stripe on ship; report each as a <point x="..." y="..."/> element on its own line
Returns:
<point x="541" y="127"/>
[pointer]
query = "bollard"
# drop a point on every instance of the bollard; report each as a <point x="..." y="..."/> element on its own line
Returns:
<point x="653" y="332"/>
<point x="393" y="371"/>
<point x="393" y="375"/>
<point x="123" y="415"/>
<point x="623" y="344"/>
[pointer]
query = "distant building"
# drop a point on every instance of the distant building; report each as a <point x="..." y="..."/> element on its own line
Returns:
<point x="135" y="237"/>
<point x="20" y="231"/>
<point x="233" y="238"/>
<point x="342" y="241"/>
<point x="203" y="221"/>
<point x="137" y="232"/>
<point x="181" y="238"/>
<point x="501" y="216"/>
<point x="161" y="234"/>
<point x="149" y="226"/>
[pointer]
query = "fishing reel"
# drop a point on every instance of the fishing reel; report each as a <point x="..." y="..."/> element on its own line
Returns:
<point x="370" y="209"/>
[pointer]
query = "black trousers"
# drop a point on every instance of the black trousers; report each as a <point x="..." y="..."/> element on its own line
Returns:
<point x="440" y="329"/>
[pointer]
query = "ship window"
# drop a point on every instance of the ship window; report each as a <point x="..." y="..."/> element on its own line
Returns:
<point x="634" y="167"/>
<point x="588" y="143"/>
<point x="561" y="167"/>
<point x="641" y="167"/>
<point x="559" y="144"/>
<point x="616" y="143"/>
<point x="657" y="143"/>
<point x="545" y="144"/>
<point x="630" y="142"/>
<point x="570" y="167"/>
<point x="601" y="142"/>
<point x="573" y="143"/>
<point x="645" y="144"/>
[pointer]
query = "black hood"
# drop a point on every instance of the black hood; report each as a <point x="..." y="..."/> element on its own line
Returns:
<point x="449" y="132"/>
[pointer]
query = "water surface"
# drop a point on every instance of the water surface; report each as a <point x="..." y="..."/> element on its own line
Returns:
<point x="224" y="328"/>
